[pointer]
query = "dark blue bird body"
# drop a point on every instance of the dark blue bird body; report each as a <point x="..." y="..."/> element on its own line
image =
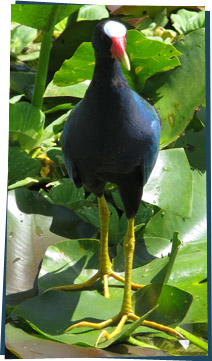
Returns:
<point x="112" y="135"/>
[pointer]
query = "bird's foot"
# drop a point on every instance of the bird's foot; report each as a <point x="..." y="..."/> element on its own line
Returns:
<point x="105" y="276"/>
<point x="122" y="319"/>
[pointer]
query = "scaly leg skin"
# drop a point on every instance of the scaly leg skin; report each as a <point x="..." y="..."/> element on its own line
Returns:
<point x="126" y="312"/>
<point x="105" y="267"/>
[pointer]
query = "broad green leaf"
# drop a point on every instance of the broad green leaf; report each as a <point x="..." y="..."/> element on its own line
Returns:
<point x="15" y="98"/>
<point x="69" y="262"/>
<point x="40" y="16"/>
<point x="173" y="303"/>
<point x="148" y="57"/>
<point x="176" y="86"/>
<point x="190" y="267"/>
<point x="163" y="224"/>
<point x="185" y="21"/>
<point x="66" y="44"/>
<point x="170" y="184"/>
<point x="21" y="36"/>
<point x="29" y="57"/>
<point x="77" y="306"/>
<point x="21" y="165"/>
<point x="26" y="125"/>
<point x="24" y="345"/>
<point x="92" y="12"/>
<point x="77" y="69"/>
<point x="33" y="224"/>
<point x="71" y="307"/>
<point x="67" y="308"/>
<point x="76" y="90"/>
<point x="26" y="182"/>
<point x="65" y="193"/>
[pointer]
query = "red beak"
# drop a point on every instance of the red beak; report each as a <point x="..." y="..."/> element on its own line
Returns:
<point x="118" y="51"/>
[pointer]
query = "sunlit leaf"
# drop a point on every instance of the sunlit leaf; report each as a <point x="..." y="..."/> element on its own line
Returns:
<point x="33" y="224"/>
<point x="170" y="184"/>
<point x="171" y="92"/>
<point x="76" y="90"/>
<point x="185" y="21"/>
<point x="190" y="267"/>
<point x="40" y="16"/>
<point x="26" y="125"/>
<point x="92" y="12"/>
<point x="21" y="36"/>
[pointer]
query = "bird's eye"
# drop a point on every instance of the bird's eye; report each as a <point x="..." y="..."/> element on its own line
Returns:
<point x="103" y="36"/>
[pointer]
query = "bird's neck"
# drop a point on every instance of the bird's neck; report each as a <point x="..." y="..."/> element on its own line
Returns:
<point x="107" y="72"/>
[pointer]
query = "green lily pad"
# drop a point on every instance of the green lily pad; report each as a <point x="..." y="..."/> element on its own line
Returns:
<point x="77" y="69"/>
<point x="176" y="86"/>
<point x="92" y="12"/>
<point x="41" y="16"/>
<point x="170" y="184"/>
<point x="71" y="307"/>
<point x="21" y="36"/>
<point x="26" y="125"/>
<point x="173" y="303"/>
<point x="148" y="57"/>
<point x="76" y="90"/>
<point x="65" y="193"/>
<point x="33" y="224"/>
<point x="190" y="267"/>
<point x="69" y="262"/>
<point x="21" y="165"/>
<point x="67" y="43"/>
<point x="185" y="21"/>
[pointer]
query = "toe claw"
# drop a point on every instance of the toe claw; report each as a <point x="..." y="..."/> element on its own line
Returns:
<point x="103" y="334"/>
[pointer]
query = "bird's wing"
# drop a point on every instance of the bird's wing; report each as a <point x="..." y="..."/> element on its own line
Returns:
<point x="153" y="123"/>
<point x="70" y="164"/>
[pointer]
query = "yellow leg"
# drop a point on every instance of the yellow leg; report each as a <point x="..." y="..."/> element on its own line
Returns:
<point x="105" y="267"/>
<point x="126" y="312"/>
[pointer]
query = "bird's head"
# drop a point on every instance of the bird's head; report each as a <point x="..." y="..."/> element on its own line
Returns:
<point x="109" y="40"/>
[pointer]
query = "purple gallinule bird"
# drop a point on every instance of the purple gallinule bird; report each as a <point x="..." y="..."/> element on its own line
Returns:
<point x="112" y="135"/>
